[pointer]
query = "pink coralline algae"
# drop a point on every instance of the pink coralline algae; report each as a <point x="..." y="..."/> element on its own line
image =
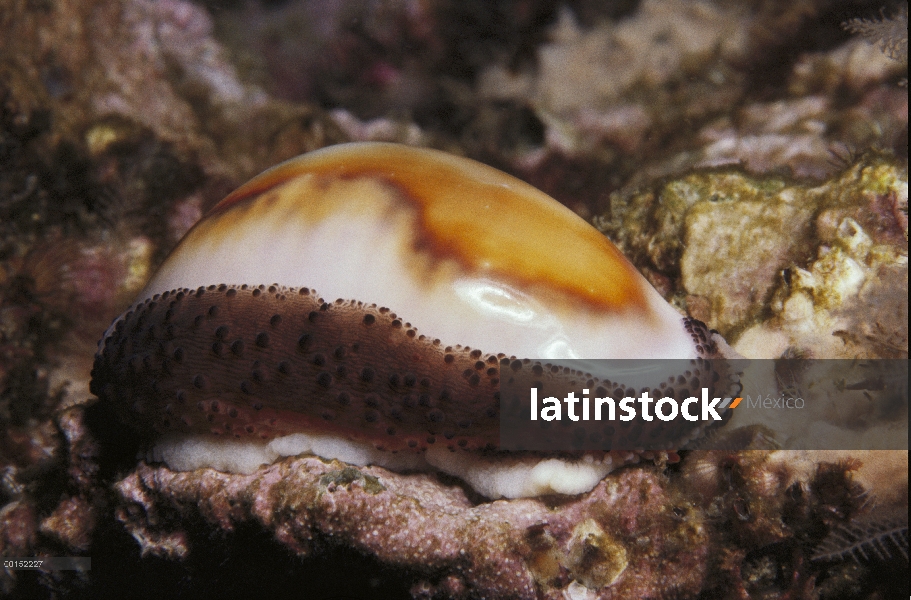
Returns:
<point x="154" y="35"/>
<point x="630" y="537"/>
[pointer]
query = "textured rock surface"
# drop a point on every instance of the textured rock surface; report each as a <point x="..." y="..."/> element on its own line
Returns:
<point x="521" y="549"/>
<point x="775" y="264"/>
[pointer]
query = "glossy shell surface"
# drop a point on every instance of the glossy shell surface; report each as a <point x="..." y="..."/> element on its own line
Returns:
<point x="464" y="252"/>
<point x="378" y="293"/>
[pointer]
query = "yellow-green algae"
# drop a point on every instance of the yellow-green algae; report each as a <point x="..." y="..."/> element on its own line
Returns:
<point x="348" y="475"/>
<point x="776" y="264"/>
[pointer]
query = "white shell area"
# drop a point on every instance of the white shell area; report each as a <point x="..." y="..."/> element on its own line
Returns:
<point x="364" y="237"/>
<point x="519" y="477"/>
